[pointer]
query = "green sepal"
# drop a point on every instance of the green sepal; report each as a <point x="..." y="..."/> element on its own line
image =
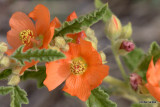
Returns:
<point x="18" y="97"/>
<point x="77" y="25"/>
<point x="42" y="55"/>
<point x="5" y="74"/>
<point x="99" y="98"/>
<point x="39" y="75"/>
<point x="5" y="90"/>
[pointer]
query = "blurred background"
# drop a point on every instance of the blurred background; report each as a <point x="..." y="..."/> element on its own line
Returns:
<point x="143" y="14"/>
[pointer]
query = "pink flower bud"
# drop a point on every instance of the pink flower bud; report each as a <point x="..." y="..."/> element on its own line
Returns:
<point x="127" y="45"/>
<point x="135" y="80"/>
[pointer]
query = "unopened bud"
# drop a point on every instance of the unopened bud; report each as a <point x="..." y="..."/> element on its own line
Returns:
<point x="60" y="42"/>
<point x="123" y="46"/>
<point x="65" y="48"/>
<point x="135" y="81"/>
<point x="113" y="28"/>
<point x="126" y="31"/>
<point x="103" y="56"/>
<point x="3" y="47"/>
<point x="14" y="80"/>
<point x="5" y="62"/>
<point x="16" y="70"/>
<point x="127" y="45"/>
<point x="90" y="34"/>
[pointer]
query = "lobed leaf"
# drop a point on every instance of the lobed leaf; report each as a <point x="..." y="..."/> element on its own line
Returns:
<point x="39" y="75"/>
<point x="18" y="97"/>
<point x="99" y="98"/>
<point x="107" y="16"/>
<point x="154" y="51"/>
<point x="5" y="90"/>
<point x="5" y="73"/>
<point x="45" y="55"/>
<point x="76" y="25"/>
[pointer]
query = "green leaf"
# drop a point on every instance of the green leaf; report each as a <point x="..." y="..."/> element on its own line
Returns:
<point x="5" y="90"/>
<point x="18" y="97"/>
<point x="142" y="105"/>
<point x="45" y="55"/>
<point x="76" y="25"/>
<point x="98" y="3"/>
<point x="99" y="98"/>
<point x="133" y="58"/>
<point x="107" y="16"/>
<point x="4" y="74"/>
<point x="154" y="51"/>
<point x="39" y="75"/>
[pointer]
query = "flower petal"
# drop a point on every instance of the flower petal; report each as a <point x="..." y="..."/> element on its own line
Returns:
<point x="48" y="37"/>
<point x="89" y="53"/>
<point x="57" y="72"/>
<point x="56" y="22"/>
<point x="96" y="74"/>
<point x="72" y="16"/>
<point x="151" y="74"/>
<point x="76" y="85"/>
<point x="18" y="22"/>
<point x="74" y="49"/>
<point x="154" y="91"/>
<point x="41" y="15"/>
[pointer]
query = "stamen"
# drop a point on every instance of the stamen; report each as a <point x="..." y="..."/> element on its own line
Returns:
<point x="78" y="66"/>
<point x="26" y="36"/>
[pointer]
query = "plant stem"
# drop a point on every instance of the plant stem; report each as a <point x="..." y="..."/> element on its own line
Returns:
<point x="119" y="63"/>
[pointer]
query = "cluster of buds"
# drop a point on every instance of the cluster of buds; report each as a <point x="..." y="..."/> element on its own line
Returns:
<point x="4" y="60"/>
<point x="60" y="43"/>
<point x="14" y="78"/>
<point x="91" y="37"/>
<point x="120" y="35"/>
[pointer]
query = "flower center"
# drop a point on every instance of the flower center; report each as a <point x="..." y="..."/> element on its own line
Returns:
<point x="26" y="36"/>
<point x="78" y="66"/>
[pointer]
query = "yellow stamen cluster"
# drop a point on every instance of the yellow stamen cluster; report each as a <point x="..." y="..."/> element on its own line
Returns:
<point x="26" y="36"/>
<point x="78" y="66"/>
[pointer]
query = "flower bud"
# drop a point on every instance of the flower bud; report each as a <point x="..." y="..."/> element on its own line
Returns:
<point x="3" y="47"/>
<point x="5" y="62"/>
<point x="60" y="42"/>
<point x="103" y="56"/>
<point x="123" y="46"/>
<point x="90" y="34"/>
<point x="113" y="28"/>
<point x="16" y="70"/>
<point x="14" y="80"/>
<point x="127" y="45"/>
<point x="126" y="31"/>
<point x="65" y="48"/>
<point x="135" y="81"/>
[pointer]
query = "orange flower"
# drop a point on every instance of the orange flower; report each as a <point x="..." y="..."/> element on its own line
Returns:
<point x="76" y="36"/>
<point x="24" y="32"/>
<point x="153" y="79"/>
<point x="83" y="70"/>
